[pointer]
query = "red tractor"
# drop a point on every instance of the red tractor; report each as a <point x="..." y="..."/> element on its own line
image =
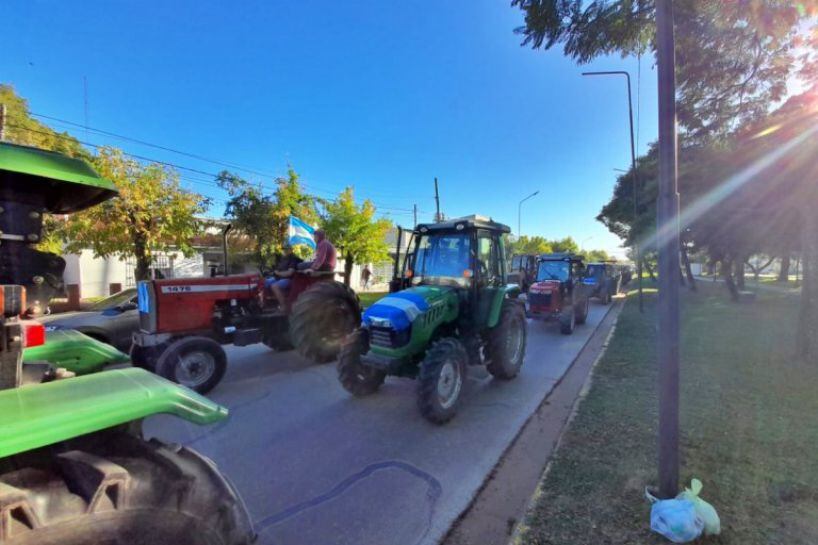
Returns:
<point x="558" y="293"/>
<point x="185" y="321"/>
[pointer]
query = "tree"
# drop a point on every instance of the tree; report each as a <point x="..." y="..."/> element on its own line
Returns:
<point x="595" y="256"/>
<point x="264" y="218"/>
<point x="355" y="232"/>
<point x="151" y="214"/>
<point x="530" y="246"/>
<point x="566" y="245"/>
<point x="733" y="59"/>
<point x="22" y="128"/>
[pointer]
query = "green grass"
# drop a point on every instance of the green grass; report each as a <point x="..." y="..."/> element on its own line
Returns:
<point x="369" y="298"/>
<point x="749" y="420"/>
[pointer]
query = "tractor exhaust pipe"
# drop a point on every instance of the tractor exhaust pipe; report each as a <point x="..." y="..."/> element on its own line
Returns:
<point x="224" y="247"/>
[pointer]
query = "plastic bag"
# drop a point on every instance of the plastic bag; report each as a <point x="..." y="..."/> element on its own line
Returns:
<point x="675" y="519"/>
<point x="705" y="511"/>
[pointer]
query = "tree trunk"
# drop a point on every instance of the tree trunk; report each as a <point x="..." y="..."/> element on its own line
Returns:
<point x="739" y="272"/>
<point x="727" y="272"/>
<point x="784" y="272"/>
<point x="143" y="259"/>
<point x="348" y="264"/>
<point x="688" y="270"/>
<point x="807" y="333"/>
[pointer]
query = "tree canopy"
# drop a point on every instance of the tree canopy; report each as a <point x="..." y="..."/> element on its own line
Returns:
<point x="733" y="59"/>
<point x="358" y="236"/>
<point x="264" y="217"/>
<point x="152" y="213"/>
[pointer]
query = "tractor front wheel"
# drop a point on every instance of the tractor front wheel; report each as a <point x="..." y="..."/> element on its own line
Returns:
<point x="114" y="487"/>
<point x="357" y="378"/>
<point x="321" y="319"/>
<point x="442" y="377"/>
<point x="196" y="362"/>
<point x="568" y="320"/>
<point x="582" y="309"/>
<point x="506" y="345"/>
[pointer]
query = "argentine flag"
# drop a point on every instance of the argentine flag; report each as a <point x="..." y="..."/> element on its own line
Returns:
<point x="300" y="233"/>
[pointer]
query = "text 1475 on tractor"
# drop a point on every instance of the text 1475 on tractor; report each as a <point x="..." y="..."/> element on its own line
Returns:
<point x="184" y="322"/>
<point x="74" y="467"/>
<point x="451" y="307"/>
<point x="558" y="292"/>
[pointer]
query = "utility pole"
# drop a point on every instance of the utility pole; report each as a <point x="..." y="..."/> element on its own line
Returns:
<point x="634" y="175"/>
<point x="2" y="122"/>
<point x="667" y="229"/>
<point x="415" y="212"/>
<point x="437" y="202"/>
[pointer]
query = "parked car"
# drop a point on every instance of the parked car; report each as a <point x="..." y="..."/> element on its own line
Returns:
<point x="112" y="320"/>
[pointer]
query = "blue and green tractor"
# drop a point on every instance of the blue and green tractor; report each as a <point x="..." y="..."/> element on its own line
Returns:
<point x="75" y="468"/>
<point x="449" y="307"/>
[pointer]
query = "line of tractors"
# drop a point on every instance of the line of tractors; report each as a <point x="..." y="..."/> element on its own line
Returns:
<point x="74" y="466"/>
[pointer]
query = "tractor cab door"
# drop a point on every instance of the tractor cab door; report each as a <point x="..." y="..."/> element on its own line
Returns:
<point x="490" y="276"/>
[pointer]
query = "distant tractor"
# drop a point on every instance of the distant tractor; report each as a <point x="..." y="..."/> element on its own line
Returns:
<point x="185" y="321"/>
<point x="523" y="270"/>
<point x="604" y="280"/>
<point x="558" y="292"/>
<point x="75" y="468"/>
<point x="451" y="308"/>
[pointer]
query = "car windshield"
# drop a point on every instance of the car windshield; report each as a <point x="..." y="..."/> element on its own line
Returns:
<point x="114" y="300"/>
<point x="553" y="270"/>
<point x="443" y="259"/>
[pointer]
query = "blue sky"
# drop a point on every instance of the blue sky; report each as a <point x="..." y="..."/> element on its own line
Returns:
<point x="383" y="96"/>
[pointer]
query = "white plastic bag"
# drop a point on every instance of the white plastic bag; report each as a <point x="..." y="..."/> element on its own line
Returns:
<point x="675" y="519"/>
<point x="705" y="511"/>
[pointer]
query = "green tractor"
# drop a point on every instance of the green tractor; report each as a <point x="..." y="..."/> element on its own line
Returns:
<point x="449" y="307"/>
<point x="74" y="466"/>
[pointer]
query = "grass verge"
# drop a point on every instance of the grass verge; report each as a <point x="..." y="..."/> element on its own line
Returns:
<point x="368" y="298"/>
<point x="749" y="420"/>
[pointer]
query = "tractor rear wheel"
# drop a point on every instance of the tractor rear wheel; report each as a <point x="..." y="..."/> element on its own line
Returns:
<point x="581" y="311"/>
<point x="357" y="378"/>
<point x="321" y="319"/>
<point x="196" y="362"/>
<point x="506" y="344"/>
<point x="568" y="320"/>
<point x="115" y="488"/>
<point x="441" y="381"/>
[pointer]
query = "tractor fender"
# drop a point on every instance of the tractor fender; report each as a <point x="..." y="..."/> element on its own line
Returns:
<point x="44" y="414"/>
<point x="510" y="291"/>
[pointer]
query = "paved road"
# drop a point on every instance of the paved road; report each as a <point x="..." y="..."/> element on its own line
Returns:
<point x="317" y="466"/>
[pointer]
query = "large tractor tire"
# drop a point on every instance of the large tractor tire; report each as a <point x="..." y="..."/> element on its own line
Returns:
<point x="357" y="378"/>
<point x="581" y="310"/>
<point x="507" y="341"/>
<point x="198" y="363"/>
<point x="441" y="381"/>
<point x="568" y="320"/>
<point x="114" y="488"/>
<point x="321" y="319"/>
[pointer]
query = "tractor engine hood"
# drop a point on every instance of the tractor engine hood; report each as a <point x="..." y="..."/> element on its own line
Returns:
<point x="399" y="310"/>
<point x="545" y="286"/>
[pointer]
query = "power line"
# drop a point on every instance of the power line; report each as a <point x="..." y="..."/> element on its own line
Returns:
<point x="157" y="146"/>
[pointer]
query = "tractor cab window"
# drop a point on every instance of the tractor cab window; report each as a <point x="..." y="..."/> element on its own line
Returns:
<point x="517" y="263"/>
<point x="594" y="271"/>
<point x="488" y="261"/>
<point x="443" y="259"/>
<point x="554" y="270"/>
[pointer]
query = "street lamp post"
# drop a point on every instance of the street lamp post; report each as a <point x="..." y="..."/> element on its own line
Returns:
<point x="633" y="176"/>
<point x="520" y="212"/>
